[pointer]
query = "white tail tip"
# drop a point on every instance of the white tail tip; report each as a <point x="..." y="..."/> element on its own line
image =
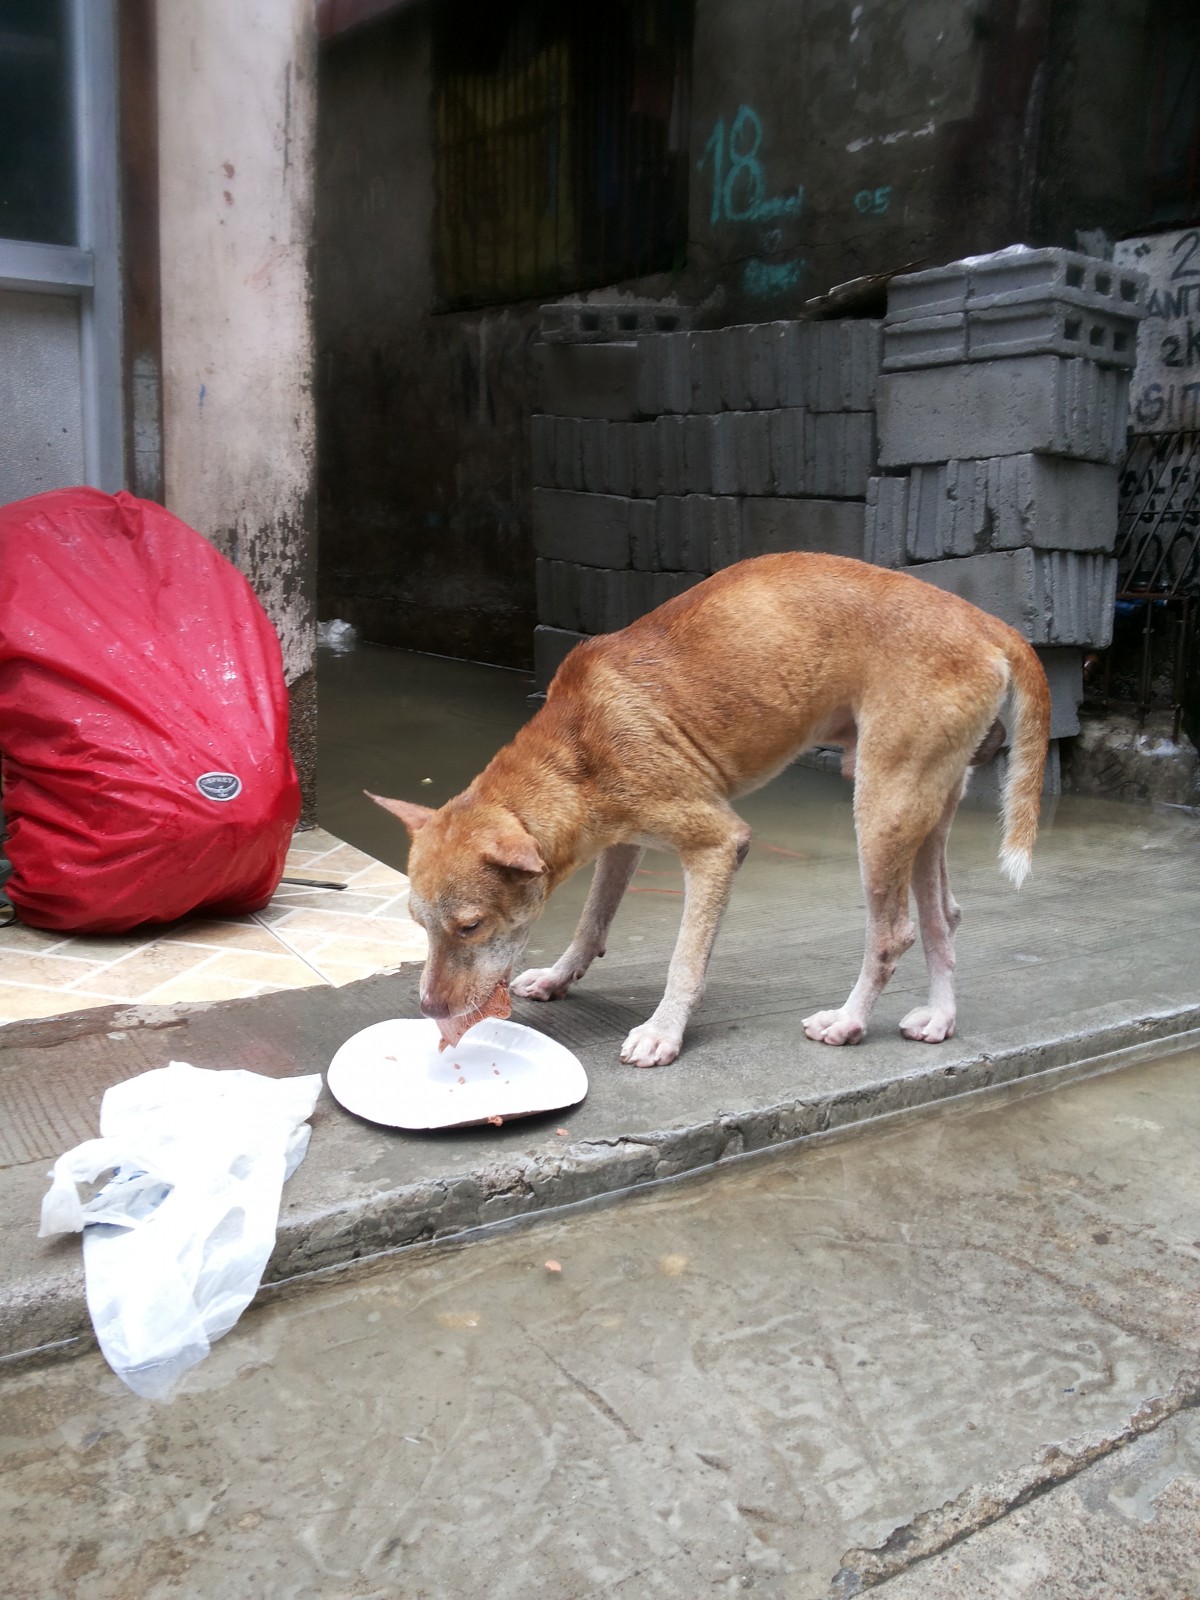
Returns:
<point x="1015" y="864"/>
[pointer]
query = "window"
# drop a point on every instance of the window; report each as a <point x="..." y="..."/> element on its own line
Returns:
<point x="561" y="144"/>
<point x="37" y="131"/>
<point x="60" y="290"/>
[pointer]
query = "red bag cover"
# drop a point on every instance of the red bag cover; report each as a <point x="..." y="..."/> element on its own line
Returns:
<point x="143" y="719"/>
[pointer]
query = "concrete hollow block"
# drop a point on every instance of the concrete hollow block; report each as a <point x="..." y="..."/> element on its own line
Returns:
<point x="670" y="441"/>
<point x="1051" y="503"/>
<point x="557" y="586"/>
<point x="542" y="437"/>
<point x="960" y="508"/>
<point x="686" y="529"/>
<point x="1007" y="326"/>
<point x="593" y="529"/>
<point x="765" y="345"/>
<point x="840" y="362"/>
<point x="1048" y="404"/>
<point x="929" y="341"/>
<point x="566" y="454"/>
<point x="588" y="380"/>
<point x="700" y="444"/>
<point x="590" y="321"/>
<point x="664" y="382"/>
<point x="551" y="647"/>
<point x="788" y="430"/>
<point x="1053" y="597"/>
<point x="886" y="520"/>
<point x="773" y="523"/>
<point x="1017" y="271"/>
<point x="704" y="358"/>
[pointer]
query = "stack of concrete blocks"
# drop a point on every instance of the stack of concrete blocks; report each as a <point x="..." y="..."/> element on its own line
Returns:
<point x="1002" y="419"/>
<point x="660" y="458"/>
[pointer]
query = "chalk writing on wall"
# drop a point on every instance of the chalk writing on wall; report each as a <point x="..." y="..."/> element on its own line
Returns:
<point x="873" y="202"/>
<point x="739" y="183"/>
<point x="1164" y="396"/>
<point x="766" y="278"/>
<point x="739" y="194"/>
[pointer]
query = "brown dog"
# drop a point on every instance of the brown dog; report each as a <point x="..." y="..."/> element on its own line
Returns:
<point x="648" y="734"/>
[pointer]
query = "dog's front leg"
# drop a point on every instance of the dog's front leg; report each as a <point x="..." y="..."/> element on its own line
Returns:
<point x="708" y="877"/>
<point x="614" y="868"/>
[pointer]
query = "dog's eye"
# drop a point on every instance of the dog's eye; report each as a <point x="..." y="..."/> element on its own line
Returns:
<point x="465" y="928"/>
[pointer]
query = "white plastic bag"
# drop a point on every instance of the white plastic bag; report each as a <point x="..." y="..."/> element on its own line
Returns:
<point x="175" y="1245"/>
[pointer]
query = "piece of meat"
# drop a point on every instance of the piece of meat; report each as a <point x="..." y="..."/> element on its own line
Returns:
<point x="497" y="1004"/>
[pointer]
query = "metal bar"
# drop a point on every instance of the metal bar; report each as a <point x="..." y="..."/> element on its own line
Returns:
<point x="1145" y="672"/>
<point x="1169" y="546"/>
<point x="1147" y="498"/>
<point x="1169" y="464"/>
<point x="1181" y="633"/>
<point x="556" y="127"/>
<point x="45" y="268"/>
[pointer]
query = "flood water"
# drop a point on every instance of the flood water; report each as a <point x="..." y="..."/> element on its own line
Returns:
<point x="421" y="727"/>
<point x="412" y="726"/>
<point x="719" y="1387"/>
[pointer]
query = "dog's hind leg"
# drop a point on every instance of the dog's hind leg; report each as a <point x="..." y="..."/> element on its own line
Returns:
<point x="894" y="817"/>
<point x="939" y="917"/>
<point x="614" y="868"/>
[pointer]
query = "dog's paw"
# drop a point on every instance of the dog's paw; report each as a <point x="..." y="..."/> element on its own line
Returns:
<point x="540" y="983"/>
<point x="649" y="1046"/>
<point x="928" y="1025"/>
<point x="834" y="1027"/>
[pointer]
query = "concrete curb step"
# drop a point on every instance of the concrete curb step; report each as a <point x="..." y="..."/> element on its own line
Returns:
<point x="49" y="1319"/>
<point x="502" y="1190"/>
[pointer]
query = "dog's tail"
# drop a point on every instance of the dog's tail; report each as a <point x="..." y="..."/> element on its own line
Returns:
<point x="1026" y="758"/>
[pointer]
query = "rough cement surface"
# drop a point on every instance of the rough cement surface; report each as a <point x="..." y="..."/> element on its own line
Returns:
<point x="1128" y="1523"/>
<point x="963" y="508"/>
<point x="1053" y="597"/>
<point x="1118" y="755"/>
<point x="950" y="1356"/>
<point x="588" y="380"/>
<point x="1048" y="404"/>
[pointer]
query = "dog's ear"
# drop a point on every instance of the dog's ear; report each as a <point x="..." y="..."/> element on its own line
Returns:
<point x="413" y="817"/>
<point x="511" y="847"/>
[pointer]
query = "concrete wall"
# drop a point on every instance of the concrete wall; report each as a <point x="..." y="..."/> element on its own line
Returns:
<point x="424" y="502"/>
<point x="878" y="117"/>
<point x="915" y="132"/>
<point x="852" y="138"/>
<point x="237" y="113"/>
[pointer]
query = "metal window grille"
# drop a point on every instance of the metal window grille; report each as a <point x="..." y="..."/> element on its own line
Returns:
<point x="561" y="145"/>
<point x="1153" y="663"/>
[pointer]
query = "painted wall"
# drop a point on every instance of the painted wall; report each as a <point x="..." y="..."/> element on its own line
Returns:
<point x="829" y="138"/>
<point x="237" y="113"/>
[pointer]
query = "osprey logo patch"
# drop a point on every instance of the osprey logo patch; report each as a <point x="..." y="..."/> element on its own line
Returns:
<point x="219" y="785"/>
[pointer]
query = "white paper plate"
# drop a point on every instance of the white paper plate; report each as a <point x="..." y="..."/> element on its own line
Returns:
<point x="393" y="1073"/>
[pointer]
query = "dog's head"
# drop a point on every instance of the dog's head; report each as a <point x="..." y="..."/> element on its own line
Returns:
<point x="478" y="883"/>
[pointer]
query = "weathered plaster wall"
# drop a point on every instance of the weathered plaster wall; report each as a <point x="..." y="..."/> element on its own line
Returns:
<point x="839" y="137"/>
<point x="423" y="417"/>
<point x="1092" y="161"/>
<point x="851" y="136"/>
<point x="237" y="114"/>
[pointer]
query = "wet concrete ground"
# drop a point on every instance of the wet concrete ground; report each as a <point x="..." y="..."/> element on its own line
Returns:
<point x="955" y="1356"/>
<point x="1023" y="1302"/>
<point x="1095" y="955"/>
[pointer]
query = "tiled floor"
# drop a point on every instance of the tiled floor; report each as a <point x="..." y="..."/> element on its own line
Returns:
<point x="347" y="919"/>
